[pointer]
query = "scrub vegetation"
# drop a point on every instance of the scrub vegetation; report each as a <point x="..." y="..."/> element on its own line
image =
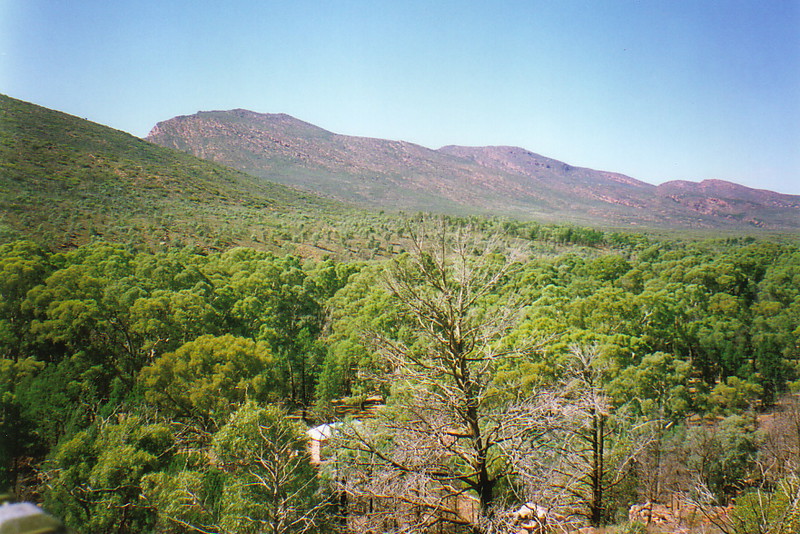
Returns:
<point x="169" y="390"/>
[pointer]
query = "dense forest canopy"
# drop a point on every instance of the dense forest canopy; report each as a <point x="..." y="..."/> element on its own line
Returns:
<point x="169" y="390"/>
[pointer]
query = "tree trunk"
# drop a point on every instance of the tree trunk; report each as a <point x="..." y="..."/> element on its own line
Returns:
<point x="598" y="453"/>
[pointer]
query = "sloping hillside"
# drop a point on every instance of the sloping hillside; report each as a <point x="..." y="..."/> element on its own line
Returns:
<point x="758" y="207"/>
<point x="65" y="180"/>
<point x="507" y="181"/>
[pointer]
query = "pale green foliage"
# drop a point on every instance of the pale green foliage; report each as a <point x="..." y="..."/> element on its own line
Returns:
<point x="167" y="319"/>
<point x="656" y="386"/>
<point x="83" y="306"/>
<point x="13" y="372"/>
<point x="608" y="267"/>
<point x="734" y="395"/>
<point x="23" y="265"/>
<point x="205" y="378"/>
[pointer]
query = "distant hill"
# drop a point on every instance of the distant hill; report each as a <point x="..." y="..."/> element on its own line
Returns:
<point x="65" y="180"/>
<point x="508" y="181"/>
<point x="725" y="199"/>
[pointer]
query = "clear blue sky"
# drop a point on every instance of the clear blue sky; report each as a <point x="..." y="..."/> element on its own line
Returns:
<point x="658" y="90"/>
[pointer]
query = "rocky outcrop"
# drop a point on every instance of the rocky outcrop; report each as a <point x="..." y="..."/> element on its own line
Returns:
<point x="501" y="180"/>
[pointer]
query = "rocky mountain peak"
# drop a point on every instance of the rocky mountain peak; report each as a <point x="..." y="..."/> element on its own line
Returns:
<point x="503" y="180"/>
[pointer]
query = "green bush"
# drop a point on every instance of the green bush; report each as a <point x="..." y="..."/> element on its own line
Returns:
<point x="636" y="527"/>
<point x="760" y="511"/>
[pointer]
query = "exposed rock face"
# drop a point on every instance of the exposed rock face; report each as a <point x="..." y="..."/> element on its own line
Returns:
<point x="531" y="519"/>
<point x="500" y="180"/>
<point x="726" y="200"/>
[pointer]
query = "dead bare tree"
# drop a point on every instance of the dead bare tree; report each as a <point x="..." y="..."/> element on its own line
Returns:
<point x="452" y="433"/>
<point x="780" y="451"/>
<point x="606" y="444"/>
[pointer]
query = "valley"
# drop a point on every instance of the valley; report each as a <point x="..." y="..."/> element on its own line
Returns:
<point x="494" y="341"/>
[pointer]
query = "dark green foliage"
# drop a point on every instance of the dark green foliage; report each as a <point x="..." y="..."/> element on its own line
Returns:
<point x="94" y="477"/>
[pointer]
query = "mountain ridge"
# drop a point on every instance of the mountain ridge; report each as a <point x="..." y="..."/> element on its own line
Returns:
<point x="501" y="180"/>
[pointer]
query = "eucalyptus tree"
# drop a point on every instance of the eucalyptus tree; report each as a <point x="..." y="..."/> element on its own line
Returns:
<point x="93" y="479"/>
<point x="204" y="380"/>
<point x="278" y="301"/>
<point x="23" y="265"/>
<point x="255" y="477"/>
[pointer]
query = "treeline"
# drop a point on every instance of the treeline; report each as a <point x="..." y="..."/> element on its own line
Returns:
<point x="147" y="391"/>
<point x="727" y="310"/>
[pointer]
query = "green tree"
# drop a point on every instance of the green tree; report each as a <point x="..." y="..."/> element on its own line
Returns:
<point x="206" y="378"/>
<point x="271" y="486"/>
<point x="17" y="432"/>
<point x="350" y="366"/>
<point x="23" y="266"/>
<point x="82" y="308"/>
<point x="167" y="319"/>
<point x="93" y="481"/>
<point x="260" y="480"/>
<point x="186" y="500"/>
<point x="733" y="396"/>
<point x="274" y="300"/>
<point x="609" y="267"/>
<point x="765" y="511"/>
<point x="724" y="456"/>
